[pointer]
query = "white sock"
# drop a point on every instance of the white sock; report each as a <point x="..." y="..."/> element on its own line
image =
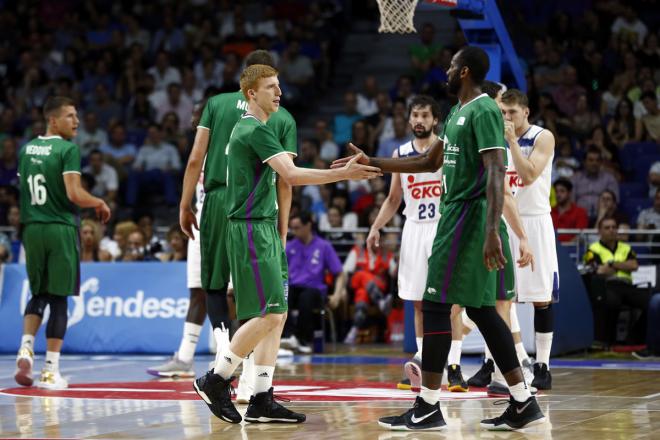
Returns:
<point x="467" y="322"/>
<point x="513" y="317"/>
<point x="227" y="363"/>
<point x="189" y="340"/>
<point x="521" y="352"/>
<point x="248" y="370"/>
<point x="53" y="360"/>
<point x="487" y="353"/>
<point x="543" y="347"/>
<point x="27" y="341"/>
<point x="420" y="341"/>
<point x="455" y="353"/>
<point x="520" y="392"/>
<point x="263" y="378"/>
<point x="430" y="396"/>
<point x="498" y="376"/>
<point x="221" y="336"/>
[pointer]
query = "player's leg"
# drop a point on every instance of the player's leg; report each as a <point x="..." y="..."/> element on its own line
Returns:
<point x="543" y="328"/>
<point x="413" y="368"/>
<point x="524" y="410"/>
<point x="456" y="382"/>
<point x="483" y="376"/>
<point x="55" y="330"/>
<point x="181" y="364"/>
<point x="426" y="414"/>
<point x="35" y="264"/>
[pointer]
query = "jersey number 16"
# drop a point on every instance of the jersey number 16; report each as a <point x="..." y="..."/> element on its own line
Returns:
<point x="38" y="192"/>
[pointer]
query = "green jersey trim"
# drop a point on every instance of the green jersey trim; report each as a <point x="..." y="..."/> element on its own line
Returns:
<point x="55" y="136"/>
<point x="491" y="148"/>
<point x="471" y="101"/>
<point x="70" y="172"/>
<point x="205" y="128"/>
<point x="275" y="155"/>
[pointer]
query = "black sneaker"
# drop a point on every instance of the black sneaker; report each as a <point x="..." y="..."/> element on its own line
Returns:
<point x="517" y="416"/>
<point x="396" y="422"/>
<point x="413" y="371"/>
<point x="216" y="392"/>
<point x="421" y="417"/>
<point x="542" y="377"/>
<point x="264" y="409"/>
<point x="482" y="377"/>
<point x="456" y="382"/>
<point x="497" y="389"/>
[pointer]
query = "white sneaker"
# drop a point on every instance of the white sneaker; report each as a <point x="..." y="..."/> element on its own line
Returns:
<point x="244" y="390"/>
<point x="52" y="380"/>
<point x="283" y="352"/>
<point x="24" y="362"/>
<point x="291" y="343"/>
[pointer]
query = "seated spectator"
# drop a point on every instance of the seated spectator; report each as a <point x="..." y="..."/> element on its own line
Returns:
<point x="566" y="214"/>
<point x="108" y="111"/>
<point x="136" y="250"/>
<point x="651" y="121"/>
<point x="366" y="99"/>
<point x="311" y="258"/>
<point x="654" y="178"/>
<point x="343" y="122"/>
<point x="380" y="123"/>
<point x="340" y="199"/>
<point x="623" y="127"/>
<point x="628" y="27"/>
<point x="598" y="139"/>
<point x="14" y="220"/>
<point x="309" y="153"/>
<point x="422" y="53"/>
<point x="9" y="162"/>
<point x="140" y="113"/>
<point x="371" y="280"/>
<point x="649" y="218"/>
<point x="119" y="153"/>
<point x="156" y="166"/>
<point x="329" y="148"/>
<point x="90" y="242"/>
<point x="296" y="68"/>
<point x="106" y="181"/>
<point x="401" y="136"/>
<point x="612" y="96"/>
<point x="153" y="244"/>
<point x="178" y="244"/>
<point x="168" y="37"/>
<point x="568" y="93"/>
<point x="163" y="73"/>
<point x="565" y="164"/>
<point x="404" y="89"/>
<point x="592" y="181"/>
<point x="120" y="236"/>
<point x="173" y="101"/>
<point x="90" y="136"/>
<point x="171" y="128"/>
<point x="361" y="136"/>
<point x="342" y="241"/>
<point x="610" y="283"/>
<point x="608" y="207"/>
<point x="584" y="120"/>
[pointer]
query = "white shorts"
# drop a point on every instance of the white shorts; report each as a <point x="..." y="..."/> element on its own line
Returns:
<point x="543" y="283"/>
<point x="416" y="244"/>
<point x="194" y="262"/>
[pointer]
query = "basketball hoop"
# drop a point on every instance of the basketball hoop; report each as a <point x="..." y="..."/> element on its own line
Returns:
<point x="396" y="16"/>
<point x="450" y="3"/>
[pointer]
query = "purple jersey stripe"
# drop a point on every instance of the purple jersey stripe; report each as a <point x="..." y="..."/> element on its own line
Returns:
<point x="251" y="248"/>
<point x="502" y="290"/>
<point x="454" y="251"/>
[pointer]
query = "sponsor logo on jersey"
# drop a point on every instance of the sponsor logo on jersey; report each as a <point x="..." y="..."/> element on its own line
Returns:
<point x="515" y="181"/>
<point x="431" y="291"/>
<point x="461" y="120"/>
<point x="430" y="189"/>
<point x="38" y="150"/>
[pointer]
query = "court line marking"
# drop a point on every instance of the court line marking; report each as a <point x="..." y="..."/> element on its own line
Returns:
<point x="651" y="396"/>
<point x="72" y="369"/>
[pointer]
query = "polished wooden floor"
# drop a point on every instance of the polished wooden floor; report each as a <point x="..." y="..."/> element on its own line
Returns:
<point x="343" y="395"/>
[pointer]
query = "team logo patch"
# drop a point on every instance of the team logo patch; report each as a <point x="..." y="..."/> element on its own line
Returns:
<point x="295" y="390"/>
<point x="461" y="120"/>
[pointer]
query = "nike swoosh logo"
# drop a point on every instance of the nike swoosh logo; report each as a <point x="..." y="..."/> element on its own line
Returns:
<point x="416" y="420"/>
<point x="520" y="410"/>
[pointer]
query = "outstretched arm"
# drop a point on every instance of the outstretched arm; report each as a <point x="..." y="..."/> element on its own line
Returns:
<point x="430" y="161"/>
<point x="284" y="166"/>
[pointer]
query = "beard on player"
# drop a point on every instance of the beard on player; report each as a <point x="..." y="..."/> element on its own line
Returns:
<point x="421" y="132"/>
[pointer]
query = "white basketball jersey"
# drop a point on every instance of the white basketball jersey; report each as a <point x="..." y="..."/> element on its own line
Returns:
<point x="421" y="192"/>
<point x="199" y="193"/>
<point x="532" y="199"/>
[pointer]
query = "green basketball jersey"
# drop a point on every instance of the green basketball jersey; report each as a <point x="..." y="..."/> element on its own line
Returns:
<point x="469" y="130"/>
<point x="42" y="162"/>
<point x="220" y="115"/>
<point x="251" y="191"/>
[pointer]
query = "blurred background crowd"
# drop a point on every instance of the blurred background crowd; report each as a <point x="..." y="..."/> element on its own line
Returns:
<point x="138" y="68"/>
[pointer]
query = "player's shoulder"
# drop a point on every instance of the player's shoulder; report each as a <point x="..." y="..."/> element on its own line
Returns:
<point x="227" y="98"/>
<point x="281" y="117"/>
<point x="405" y="150"/>
<point x="484" y="103"/>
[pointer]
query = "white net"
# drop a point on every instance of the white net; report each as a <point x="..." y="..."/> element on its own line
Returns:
<point x="396" y="16"/>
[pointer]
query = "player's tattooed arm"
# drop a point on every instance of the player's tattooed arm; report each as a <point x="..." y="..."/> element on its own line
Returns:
<point x="430" y="161"/>
<point x="493" y="161"/>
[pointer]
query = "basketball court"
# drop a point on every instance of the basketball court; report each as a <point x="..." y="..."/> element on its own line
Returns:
<point x="342" y="394"/>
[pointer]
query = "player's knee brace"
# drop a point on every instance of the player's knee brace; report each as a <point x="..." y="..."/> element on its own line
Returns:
<point x="437" y="336"/>
<point x="37" y="305"/>
<point x="216" y="307"/>
<point x="467" y="322"/>
<point x="57" y="321"/>
<point x="543" y="319"/>
<point x="497" y="336"/>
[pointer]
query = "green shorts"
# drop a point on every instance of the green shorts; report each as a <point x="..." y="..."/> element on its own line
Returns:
<point x="258" y="268"/>
<point x="457" y="274"/>
<point x="213" y="241"/>
<point x="52" y="258"/>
